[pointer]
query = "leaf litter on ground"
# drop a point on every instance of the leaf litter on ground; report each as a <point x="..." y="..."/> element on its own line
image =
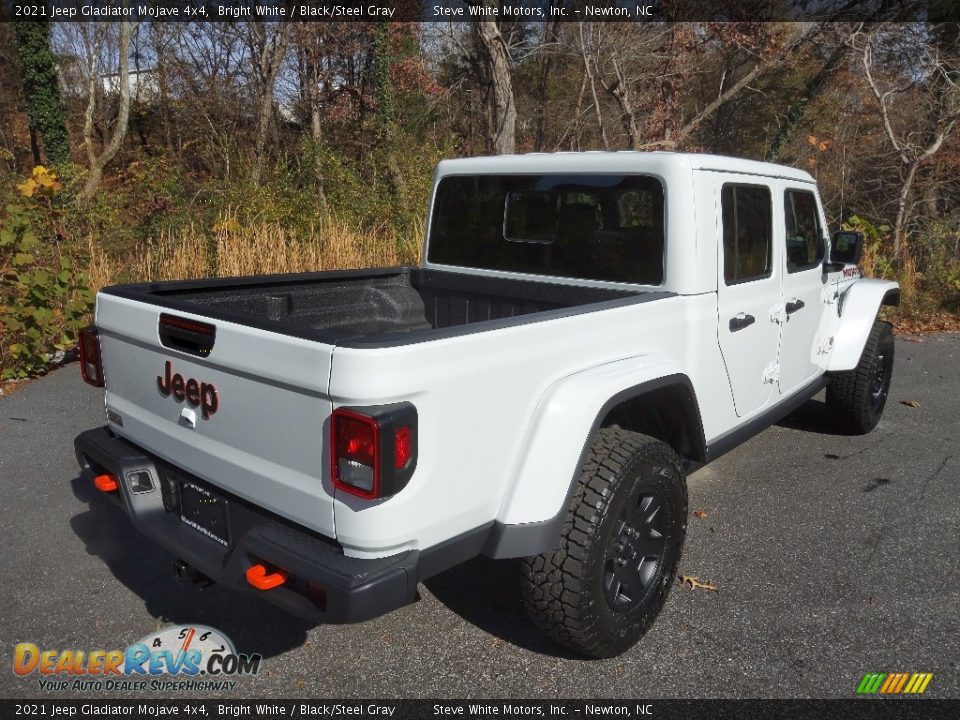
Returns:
<point x="696" y="584"/>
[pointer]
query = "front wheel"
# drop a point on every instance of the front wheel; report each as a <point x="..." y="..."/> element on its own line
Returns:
<point x="621" y="543"/>
<point x="856" y="398"/>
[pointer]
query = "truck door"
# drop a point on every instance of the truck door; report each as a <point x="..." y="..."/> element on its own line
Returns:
<point x="748" y="289"/>
<point x="804" y="289"/>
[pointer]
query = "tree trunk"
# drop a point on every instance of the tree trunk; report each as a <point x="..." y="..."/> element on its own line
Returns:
<point x="46" y="109"/>
<point x="386" y="130"/>
<point x="496" y="58"/>
<point x="308" y="42"/>
<point x="621" y="93"/>
<point x="543" y="84"/>
<point x="316" y="132"/>
<point x="591" y="81"/>
<point x="578" y="124"/>
<point x="272" y="52"/>
<point x="98" y="162"/>
<point x="903" y="212"/>
<point x="163" y="85"/>
<point x="35" y="147"/>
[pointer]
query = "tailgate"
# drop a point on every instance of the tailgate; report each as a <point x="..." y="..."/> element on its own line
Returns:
<point x="259" y="406"/>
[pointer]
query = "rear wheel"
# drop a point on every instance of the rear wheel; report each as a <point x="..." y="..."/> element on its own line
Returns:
<point x="856" y="398"/>
<point x="621" y="542"/>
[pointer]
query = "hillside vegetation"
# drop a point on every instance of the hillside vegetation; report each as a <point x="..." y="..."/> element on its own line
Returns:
<point x="157" y="151"/>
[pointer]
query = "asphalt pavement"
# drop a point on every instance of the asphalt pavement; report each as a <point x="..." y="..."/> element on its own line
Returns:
<point x="833" y="556"/>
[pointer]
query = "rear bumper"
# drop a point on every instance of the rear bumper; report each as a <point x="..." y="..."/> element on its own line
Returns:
<point x="323" y="586"/>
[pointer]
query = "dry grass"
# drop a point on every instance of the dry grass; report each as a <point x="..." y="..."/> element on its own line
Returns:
<point x="233" y="248"/>
<point x="101" y="269"/>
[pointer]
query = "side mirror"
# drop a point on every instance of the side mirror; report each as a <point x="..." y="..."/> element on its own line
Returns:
<point x="846" y="248"/>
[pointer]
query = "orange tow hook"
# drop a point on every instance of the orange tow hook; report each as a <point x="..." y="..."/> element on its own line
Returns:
<point x="105" y="483"/>
<point x="258" y="576"/>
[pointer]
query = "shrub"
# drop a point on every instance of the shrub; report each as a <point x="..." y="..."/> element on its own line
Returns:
<point x="44" y="299"/>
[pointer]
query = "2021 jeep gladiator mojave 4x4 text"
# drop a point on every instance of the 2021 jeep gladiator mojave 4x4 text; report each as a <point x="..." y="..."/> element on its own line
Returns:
<point x="585" y="329"/>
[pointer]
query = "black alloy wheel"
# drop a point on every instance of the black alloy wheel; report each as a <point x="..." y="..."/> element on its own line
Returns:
<point x="636" y="550"/>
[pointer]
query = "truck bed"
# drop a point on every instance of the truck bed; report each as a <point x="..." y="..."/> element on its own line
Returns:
<point x="380" y="307"/>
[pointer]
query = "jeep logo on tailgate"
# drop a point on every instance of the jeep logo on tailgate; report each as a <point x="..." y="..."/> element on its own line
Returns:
<point x="195" y="392"/>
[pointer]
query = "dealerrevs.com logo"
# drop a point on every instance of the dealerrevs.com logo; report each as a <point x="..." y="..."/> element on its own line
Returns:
<point x="179" y="657"/>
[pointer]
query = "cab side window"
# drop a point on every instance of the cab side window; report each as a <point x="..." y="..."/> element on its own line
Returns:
<point x="804" y="237"/>
<point x="747" y="233"/>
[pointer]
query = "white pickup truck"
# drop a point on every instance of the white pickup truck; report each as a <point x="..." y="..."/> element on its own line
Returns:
<point x="585" y="329"/>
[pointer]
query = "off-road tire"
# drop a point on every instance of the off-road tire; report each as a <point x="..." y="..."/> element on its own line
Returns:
<point x="856" y="398"/>
<point x="569" y="592"/>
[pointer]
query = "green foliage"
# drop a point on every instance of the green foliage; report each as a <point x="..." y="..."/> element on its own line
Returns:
<point x="41" y="86"/>
<point x="952" y="302"/>
<point x="937" y="248"/>
<point x="359" y="191"/>
<point x="135" y="206"/>
<point x="930" y="275"/>
<point x="876" y="245"/>
<point x="44" y="298"/>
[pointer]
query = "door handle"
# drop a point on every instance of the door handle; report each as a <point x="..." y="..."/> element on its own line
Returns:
<point x="741" y="321"/>
<point x="795" y="305"/>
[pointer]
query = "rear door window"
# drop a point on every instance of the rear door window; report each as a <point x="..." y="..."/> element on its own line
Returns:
<point x="804" y="237"/>
<point x="747" y="233"/>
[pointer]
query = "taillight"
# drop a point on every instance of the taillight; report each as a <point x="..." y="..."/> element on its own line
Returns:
<point x="91" y="367"/>
<point x="401" y="447"/>
<point x="356" y="466"/>
<point x="373" y="449"/>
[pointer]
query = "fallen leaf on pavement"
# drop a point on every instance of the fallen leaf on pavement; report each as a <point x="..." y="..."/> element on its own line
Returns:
<point x="920" y="324"/>
<point x="695" y="583"/>
<point x="910" y="403"/>
<point x="699" y="514"/>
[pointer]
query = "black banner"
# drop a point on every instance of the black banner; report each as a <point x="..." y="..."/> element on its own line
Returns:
<point x="874" y="709"/>
<point x="637" y="11"/>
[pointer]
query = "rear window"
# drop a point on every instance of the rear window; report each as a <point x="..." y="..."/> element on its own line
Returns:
<point x="591" y="227"/>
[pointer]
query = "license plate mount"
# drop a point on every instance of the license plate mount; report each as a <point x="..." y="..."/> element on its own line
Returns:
<point x="205" y="511"/>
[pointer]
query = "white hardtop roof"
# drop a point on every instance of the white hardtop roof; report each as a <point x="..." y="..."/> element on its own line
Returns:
<point x="626" y="161"/>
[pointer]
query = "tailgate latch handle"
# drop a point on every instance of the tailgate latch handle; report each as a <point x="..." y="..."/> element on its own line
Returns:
<point x="186" y="335"/>
<point x="258" y="576"/>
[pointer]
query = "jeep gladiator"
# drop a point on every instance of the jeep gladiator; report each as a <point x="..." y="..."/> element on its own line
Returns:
<point x="585" y="329"/>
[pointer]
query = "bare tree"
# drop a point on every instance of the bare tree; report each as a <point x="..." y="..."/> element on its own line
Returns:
<point x="776" y="53"/>
<point x="546" y="55"/>
<point x="494" y="57"/>
<point x="587" y="52"/>
<point x="206" y="74"/>
<point x="267" y="52"/>
<point x="95" y="49"/>
<point x="310" y="39"/>
<point x="626" y="60"/>
<point x="927" y="86"/>
<point x="161" y="40"/>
